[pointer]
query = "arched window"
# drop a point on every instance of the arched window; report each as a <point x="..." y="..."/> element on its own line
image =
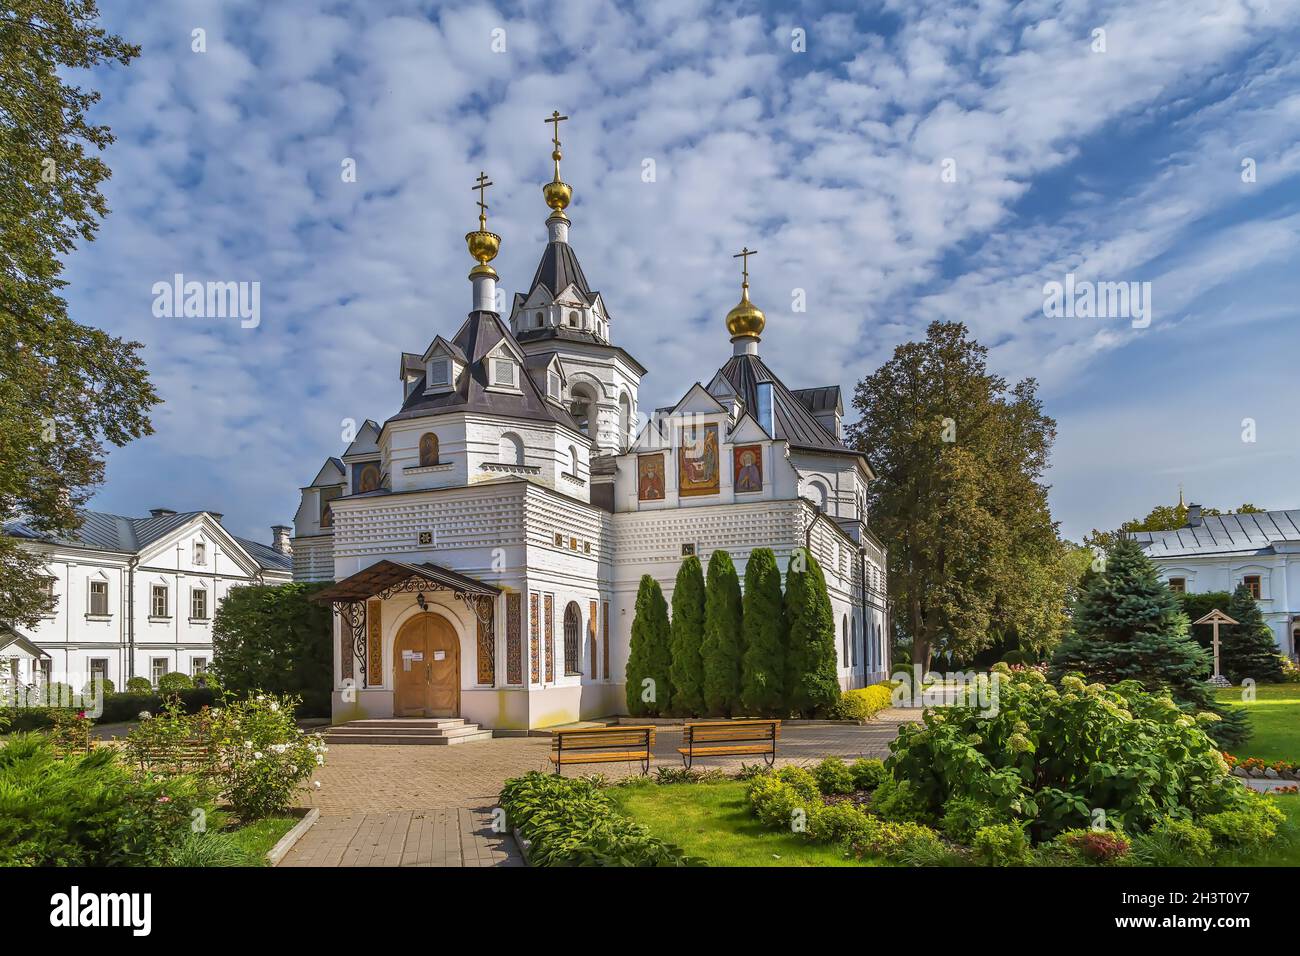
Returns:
<point x="624" y="421"/>
<point x="583" y="407"/>
<point x="572" y="629"/>
<point x="428" y="449"/>
<point x="511" y="449"/>
<point x="573" y="319"/>
<point x="573" y="461"/>
<point x="845" y="659"/>
<point x="853" y="644"/>
<point x="820" y="495"/>
<point x="538" y="320"/>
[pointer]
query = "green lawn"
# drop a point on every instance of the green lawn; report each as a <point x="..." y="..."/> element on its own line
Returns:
<point x="1274" y="719"/>
<point x="253" y="839"/>
<point x="712" y="821"/>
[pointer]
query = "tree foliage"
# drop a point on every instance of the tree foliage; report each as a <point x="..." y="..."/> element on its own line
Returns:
<point x="959" y="498"/>
<point x="812" y="677"/>
<point x="1248" y="649"/>
<point x="274" y="638"/>
<point x="1128" y="625"/>
<point x="65" y="388"/>
<point x="687" y="669"/>
<point x="723" y="647"/>
<point x="649" y="655"/>
<point x="1159" y="518"/>
<point x="762" y="690"/>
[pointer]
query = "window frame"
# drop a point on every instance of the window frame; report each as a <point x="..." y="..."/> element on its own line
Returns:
<point x="154" y="673"/>
<point x="154" y="589"/>
<point x="1177" y="584"/>
<point x="194" y="593"/>
<point x="200" y="554"/>
<point x="1254" y="583"/>
<point x="91" y="594"/>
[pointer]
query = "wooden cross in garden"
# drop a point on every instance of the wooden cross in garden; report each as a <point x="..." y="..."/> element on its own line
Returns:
<point x="1214" y="619"/>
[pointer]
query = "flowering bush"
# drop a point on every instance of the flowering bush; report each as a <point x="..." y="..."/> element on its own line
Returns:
<point x="265" y="757"/>
<point x="1096" y="846"/>
<point x="1048" y="757"/>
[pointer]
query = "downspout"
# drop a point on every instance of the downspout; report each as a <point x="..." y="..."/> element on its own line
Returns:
<point x="862" y="612"/>
<point x="130" y="617"/>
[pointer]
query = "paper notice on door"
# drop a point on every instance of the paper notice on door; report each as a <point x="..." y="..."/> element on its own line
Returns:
<point x="439" y="655"/>
<point x="417" y="655"/>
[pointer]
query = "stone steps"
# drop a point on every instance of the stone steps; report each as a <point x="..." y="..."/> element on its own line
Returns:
<point x="427" y="731"/>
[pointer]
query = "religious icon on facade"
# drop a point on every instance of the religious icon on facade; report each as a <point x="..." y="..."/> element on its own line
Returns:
<point x="748" y="467"/>
<point x="697" y="460"/>
<point x="365" y="477"/>
<point x="650" y="477"/>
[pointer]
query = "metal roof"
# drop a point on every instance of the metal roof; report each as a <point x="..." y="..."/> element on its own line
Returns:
<point x="824" y="398"/>
<point x="558" y="270"/>
<point x="793" y="419"/>
<point x="1227" y="534"/>
<point x="383" y="575"/>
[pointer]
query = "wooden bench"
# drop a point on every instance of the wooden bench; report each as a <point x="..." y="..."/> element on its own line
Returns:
<point x="192" y="756"/>
<point x="729" y="738"/>
<point x="602" y="745"/>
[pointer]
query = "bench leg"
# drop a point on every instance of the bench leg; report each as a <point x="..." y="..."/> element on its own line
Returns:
<point x="771" y="759"/>
<point x="645" y="766"/>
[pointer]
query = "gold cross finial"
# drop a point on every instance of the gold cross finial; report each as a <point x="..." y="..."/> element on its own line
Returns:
<point x="744" y="255"/>
<point x="481" y="186"/>
<point x="555" y="119"/>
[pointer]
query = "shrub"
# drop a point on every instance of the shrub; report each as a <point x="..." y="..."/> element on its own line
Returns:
<point x="1002" y="844"/>
<point x="649" y="657"/>
<point x="686" y="672"/>
<point x="841" y="823"/>
<point x="778" y="804"/>
<point x="265" y="757"/>
<point x="173" y="681"/>
<point x="894" y="840"/>
<point x="868" y="773"/>
<point x="764" y="630"/>
<point x="1174" y="842"/>
<point x="139" y="685"/>
<point x="1096" y="846"/>
<point x="1252" y="827"/>
<point x="123" y="707"/>
<point x="572" y="823"/>
<point x="812" y="685"/>
<point x="833" y="776"/>
<point x="862" y="704"/>
<point x="275" y="639"/>
<point x="1290" y="672"/>
<point x="803" y="782"/>
<point x="86" y="810"/>
<point x="723" y="643"/>
<point x="963" y="816"/>
<point x="92" y="687"/>
<point x="211" y="849"/>
<point x="897" y="800"/>
<point x="1049" y="755"/>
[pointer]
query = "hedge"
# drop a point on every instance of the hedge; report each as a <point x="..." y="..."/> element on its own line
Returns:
<point x="118" y="708"/>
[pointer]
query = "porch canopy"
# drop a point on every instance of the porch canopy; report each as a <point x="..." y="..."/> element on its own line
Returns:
<point x="389" y="577"/>
<point x="381" y="580"/>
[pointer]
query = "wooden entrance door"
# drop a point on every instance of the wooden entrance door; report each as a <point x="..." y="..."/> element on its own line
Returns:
<point x="426" y="668"/>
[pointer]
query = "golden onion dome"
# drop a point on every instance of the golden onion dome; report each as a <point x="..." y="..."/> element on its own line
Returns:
<point x="483" y="246"/>
<point x="558" y="193"/>
<point x="746" y="319"/>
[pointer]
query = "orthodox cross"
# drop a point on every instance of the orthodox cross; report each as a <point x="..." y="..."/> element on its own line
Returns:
<point x="555" y="119"/>
<point x="483" y="184"/>
<point x="1214" y="619"/>
<point x="744" y="255"/>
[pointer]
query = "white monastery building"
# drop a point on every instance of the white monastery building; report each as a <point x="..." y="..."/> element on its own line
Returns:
<point x="134" y="597"/>
<point x="1219" y="552"/>
<point x="487" y="539"/>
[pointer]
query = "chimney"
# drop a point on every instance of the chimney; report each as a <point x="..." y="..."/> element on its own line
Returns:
<point x="159" y="512"/>
<point x="1193" y="516"/>
<point x="280" y="538"/>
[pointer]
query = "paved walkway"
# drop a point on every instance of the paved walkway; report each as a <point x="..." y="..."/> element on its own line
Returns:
<point x="393" y="805"/>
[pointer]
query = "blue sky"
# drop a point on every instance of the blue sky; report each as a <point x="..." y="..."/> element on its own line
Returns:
<point x="1122" y="165"/>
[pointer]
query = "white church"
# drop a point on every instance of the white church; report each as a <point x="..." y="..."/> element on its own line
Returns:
<point x="487" y="539"/>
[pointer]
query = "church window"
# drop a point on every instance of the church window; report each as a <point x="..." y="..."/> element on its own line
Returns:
<point x="428" y="449"/>
<point x="572" y="629"/>
<point x="503" y="373"/>
<point x="511" y="449"/>
<point x="1253" y="585"/>
<point x="573" y="319"/>
<point x="844" y="659"/>
<point x="820" y="495"/>
<point x="326" y="496"/>
<point x="582" y="402"/>
<point x="552" y="385"/>
<point x="573" y="461"/>
<point x="624" y="421"/>
<point x="853" y="643"/>
<point x="538" y="319"/>
<point x="439" y="372"/>
<point x="1178" y="585"/>
<point x="200" y="553"/>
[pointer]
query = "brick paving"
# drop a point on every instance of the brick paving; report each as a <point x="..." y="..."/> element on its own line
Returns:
<point x="394" y="805"/>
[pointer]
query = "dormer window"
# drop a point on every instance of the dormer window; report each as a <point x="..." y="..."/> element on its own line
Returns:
<point x="439" y="373"/>
<point x="553" y="386"/>
<point x="574" y="320"/>
<point x="539" y="320"/>
<point x="504" y="373"/>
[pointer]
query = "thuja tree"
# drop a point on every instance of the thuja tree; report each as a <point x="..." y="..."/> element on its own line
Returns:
<point x="1248" y="649"/>
<point x="811" y="681"/>
<point x="723" y="644"/>
<point x="687" y="669"/>
<point x="1128" y="625"/>
<point x="762" y="673"/>
<point x="649" y="657"/>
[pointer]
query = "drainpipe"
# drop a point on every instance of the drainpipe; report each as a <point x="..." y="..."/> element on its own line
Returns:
<point x="130" y="617"/>
<point x="862" y="611"/>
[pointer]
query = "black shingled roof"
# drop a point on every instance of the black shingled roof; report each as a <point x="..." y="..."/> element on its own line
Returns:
<point x="558" y="270"/>
<point x="794" y="421"/>
<point x="481" y="333"/>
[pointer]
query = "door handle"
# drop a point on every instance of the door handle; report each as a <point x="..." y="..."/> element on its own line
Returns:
<point x="428" y="673"/>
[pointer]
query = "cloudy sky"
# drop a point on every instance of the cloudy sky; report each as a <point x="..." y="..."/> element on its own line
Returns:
<point x="901" y="162"/>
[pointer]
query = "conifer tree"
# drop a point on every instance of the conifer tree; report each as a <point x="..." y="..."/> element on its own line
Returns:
<point x="812" y="685"/>
<point x="762" y="679"/>
<point x="687" y="669"/>
<point x="648" y="653"/>
<point x="1128" y="625"/>
<point x="723" y="646"/>
<point x="1247" y="649"/>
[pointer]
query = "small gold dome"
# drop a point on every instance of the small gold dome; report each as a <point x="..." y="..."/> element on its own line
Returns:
<point x="746" y="319"/>
<point x="483" y="246"/>
<point x="558" y="195"/>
